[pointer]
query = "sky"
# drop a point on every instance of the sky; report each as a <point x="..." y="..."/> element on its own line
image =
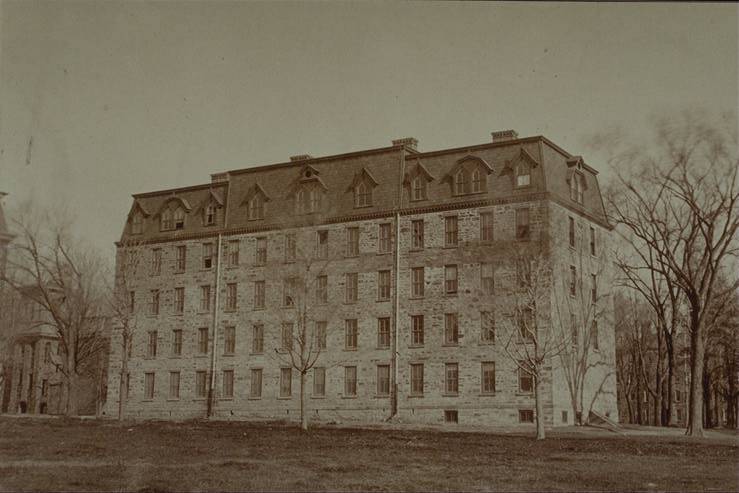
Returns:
<point x="101" y="100"/>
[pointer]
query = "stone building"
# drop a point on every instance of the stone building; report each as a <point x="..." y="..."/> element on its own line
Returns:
<point x="399" y="264"/>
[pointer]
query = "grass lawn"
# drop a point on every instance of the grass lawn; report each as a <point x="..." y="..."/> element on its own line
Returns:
<point x="58" y="454"/>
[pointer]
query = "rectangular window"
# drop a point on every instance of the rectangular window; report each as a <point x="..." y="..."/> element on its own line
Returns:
<point x="204" y="298"/>
<point x="352" y="287"/>
<point x="593" y="288"/>
<point x="233" y="253"/>
<point x="383" y="332"/>
<point x="350" y="381"/>
<point x="258" y="294"/>
<point x="451" y="416"/>
<point x="450" y="279"/>
<point x="322" y="244"/>
<point x="149" y="385"/>
<point x="571" y="222"/>
<point x="383" y="285"/>
<point x="203" y="340"/>
<point x="451" y="329"/>
<point x="260" y="257"/>
<point x="207" y="255"/>
<point x="177" y="342"/>
<point x="522" y="224"/>
<point x="257" y="339"/>
<point x="592" y="241"/>
<point x="231" y="296"/>
<point x="131" y="301"/>
<point x="385" y="243"/>
<point x="152" y="349"/>
<point x="322" y="289"/>
<point x="255" y="390"/>
<point x="319" y="382"/>
<point x="594" y="335"/>
<point x="451" y="233"/>
<point x="286" y="382"/>
<point x="527" y="325"/>
<point x="228" y="384"/>
<point x="201" y="384"/>
<point x="417" y="330"/>
<point x="418" y="282"/>
<point x="525" y="381"/>
<point x="487" y="377"/>
<point x="174" y="385"/>
<point x="321" y="334"/>
<point x="181" y="259"/>
<point x="156" y="261"/>
<point x="526" y="416"/>
<point x="290" y="247"/>
<point x="287" y="336"/>
<point x="179" y="300"/>
<point x="417" y="379"/>
<point x="418" y="234"/>
<point x="351" y="333"/>
<point x="289" y="288"/>
<point x="154" y="302"/>
<point x="487" y="326"/>
<point x="383" y="380"/>
<point x="487" y="278"/>
<point x="486" y="226"/>
<point x="573" y="280"/>
<point x="352" y="242"/>
<point x="451" y="372"/>
<point x="229" y="340"/>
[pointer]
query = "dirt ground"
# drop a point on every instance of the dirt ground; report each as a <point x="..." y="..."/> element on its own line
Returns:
<point x="59" y="454"/>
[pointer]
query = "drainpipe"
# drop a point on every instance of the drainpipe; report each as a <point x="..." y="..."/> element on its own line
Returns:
<point x="214" y="332"/>
<point x="396" y="298"/>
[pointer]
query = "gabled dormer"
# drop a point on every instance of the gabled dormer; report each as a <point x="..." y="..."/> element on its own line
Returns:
<point x="172" y="213"/>
<point x="519" y="168"/>
<point x="469" y="175"/>
<point x="255" y="201"/>
<point x="136" y="218"/>
<point x="576" y="179"/>
<point x="417" y="180"/>
<point x="362" y="187"/>
<point x="308" y="191"/>
<point x="210" y="208"/>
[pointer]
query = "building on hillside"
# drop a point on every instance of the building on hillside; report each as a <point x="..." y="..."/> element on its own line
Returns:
<point x="411" y="269"/>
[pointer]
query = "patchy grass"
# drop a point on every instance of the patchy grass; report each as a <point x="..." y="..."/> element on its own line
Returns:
<point x="58" y="454"/>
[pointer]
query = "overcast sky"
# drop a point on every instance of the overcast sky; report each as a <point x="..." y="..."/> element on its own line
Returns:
<point x="119" y="98"/>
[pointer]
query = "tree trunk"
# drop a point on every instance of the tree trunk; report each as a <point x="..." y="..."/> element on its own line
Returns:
<point x="670" y="383"/>
<point x="695" y="402"/>
<point x="707" y="411"/>
<point x="303" y="414"/>
<point x="540" y="434"/>
<point x="657" y="409"/>
<point x="122" y="394"/>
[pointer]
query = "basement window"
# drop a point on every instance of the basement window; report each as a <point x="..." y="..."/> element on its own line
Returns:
<point x="525" y="415"/>
<point x="451" y="416"/>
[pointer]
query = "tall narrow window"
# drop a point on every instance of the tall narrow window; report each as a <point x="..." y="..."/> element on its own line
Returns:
<point x="179" y="218"/>
<point x="232" y="296"/>
<point x="477" y="181"/>
<point x="203" y="340"/>
<point x="352" y="242"/>
<point x="417" y="282"/>
<point x="257" y="339"/>
<point x="166" y="220"/>
<point x="418" y="234"/>
<point x="233" y="253"/>
<point x="181" y="259"/>
<point x="286" y="382"/>
<point x="256" y="207"/>
<point x="261" y="251"/>
<point x="290" y="247"/>
<point x="137" y="224"/>
<point x="487" y="377"/>
<point x="258" y="295"/>
<point x="417" y="379"/>
<point x="229" y="340"/>
<point x="451" y="329"/>
<point x="255" y="391"/>
<point x="522" y="224"/>
<point x="350" y="381"/>
<point x="177" y="342"/>
<point x="321" y="327"/>
<point x="487" y="278"/>
<point x="487" y="326"/>
<point x="593" y="288"/>
<point x="351" y="334"/>
<point x="201" y="384"/>
<point x="573" y="280"/>
<point x="526" y="324"/>
<point x="486" y="226"/>
<point x="174" y="385"/>
<point x="149" y="386"/>
<point x="322" y="289"/>
<point x="205" y="298"/>
<point x="319" y="382"/>
<point x="383" y="380"/>
<point x="179" y="300"/>
<point x="450" y="279"/>
<point x="322" y="244"/>
<point x="451" y="234"/>
<point x="351" y="288"/>
<point x="523" y="175"/>
<point x="287" y="336"/>
<point x="289" y="291"/>
<point x="207" y="255"/>
<point x="418" y="188"/>
<point x="525" y="380"/>
<point x="383" y="332"/>
<point x="228" y="384"/>
<point x="152" y="349"/>
<point x="571" y="222"/>
<point x="592" y="241"/>
<point x="156" y="261"/>
<point x="417" y="334"/>
<point x="154" y="302"/>
<point x="362" y="195"/>
<point x="461" y="185"/>
<point x="314" y="195"/>
<point x="386" y="242"/>
<point x="451" y="371"/>
<point x="383" y="285"/>
<point x="576" y="188"/>
<point x="210" y="215"/>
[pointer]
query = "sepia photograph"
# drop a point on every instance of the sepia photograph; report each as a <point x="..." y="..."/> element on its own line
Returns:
<point x="347" y="245"/>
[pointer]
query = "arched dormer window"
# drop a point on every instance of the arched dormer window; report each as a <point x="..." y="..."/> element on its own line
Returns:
<point x="523" y="174"/>
<point x="477" y="183"/>
<point x="179" y="218"/>
<point x="461" y="185"/>
<point x="362" y="195"/>
<point x="301" y="201"/>
<point x="209" y="216"/>
<point x="256" y="207"/>
<point x="315" y="199"/>
<point x="167" y="219"/>
<point x="418" y="188"/>
<point x="137" y="224"/>
<point x="576" y="188"/>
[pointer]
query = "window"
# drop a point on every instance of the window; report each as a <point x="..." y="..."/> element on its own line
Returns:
<point x="594" y="343"/>
<point x="177" y="342"/>
<point x="207" y="255"/>
<point x="137" y="224"/>
<point x="450" y="231"/>
<point x="289" y="289"/>
<point x="460" y="182"/>
<point x="487" y="377"/>
<point x="210" y="215"/>
<point x="261" y="252"/>
<point x="593" y="288"/>
<point x="383" y="285"/>
<point x="256" y="207"/>
<point x="679" y="415"/>
<point x="181" y="258"/>
<point x="451" y="416"/>
<point x="525" y="380"/>
<point x="156" y="261"/>
<point x="592" y="241"/>
<point x="154" y="302"/>
<point x="201" y="384"/>
<point x="287" y="336"/>
<point x="290" y="247"/>
<point x="286" y="382"/>
<point x="450" y="279"/>
<point x="383" y="380"/>
<point x="302" y="205"/>
<point x="228" y="384"/>
<point x="451" y="329"/>
<point x="383" y="332"/>
<point x="203" y="340"/>
<point x="362" y="195"/>
<point x="315" y="199"/>
<point x="385" y="243"/>
<point x="451" y="380"/>
<point x="148" y="385"/>
<point x="522" y="224"/>
<point x="205" y="298"/>
<point x="152" y="348"/>
<point x="255" y="391"/>
<point x="477" y="181"/>
<point x="179" y="218"/>
<point x="678" y="396"/>
<point x="525" y="415"/>
<point x="418" y="234"/>
<point x="352" y="242"/>
<point x="322" y="289"/>
<point x="486" y="226"/>
<point x="564" y="416"/>
<point x="573" y="280"/>
<point x="351" y="332"/>
<point x="319" y="381"/>
<point x="166" y="219"/>
<point x="131" y="301"/>
<point x="523" y="175"/>
<point x="174" y="385"/>
<point x="47" y="352"/>
<point x="487" y="326"/>
<point x="350" y="381"/>
<point x="418" y="188"/>
<point x="351" y="288"/>
<point x="321" y="334"/>
<point x="257" y="339"/>
<point x="229" y="340"/>
<point x="487" y="278"/>
<point x="233" y="253"/>
<point x="576" y="188"/>
<point x="417" y="379"/>
<point x="322" y="244"/>
<point x="231" y="296"/>
<point x="179" y="300"/>
<point x="417" y="330"/>
<point x="572" y="232"/>
<point x="417" y="282"/>
<point x="526" y="324"/>
<point x="258" y="294"/>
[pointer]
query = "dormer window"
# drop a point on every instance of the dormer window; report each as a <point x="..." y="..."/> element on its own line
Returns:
<point x="576" y="188"/>
<point x="179" y="218"/>
<point x="362" y="195"/>
<point x="256" y="207"/>
<point x="167" y="223"/>
<point x="460" y="182"/>
<point x="469" y="175"/>
<point x="308" y="199"/>
<point x="137" y="224"/>
<point x="476" y="181"/>
<point x="523" y="174"/>
<point x="418" y="188"/>
<point x="210" y="215"/>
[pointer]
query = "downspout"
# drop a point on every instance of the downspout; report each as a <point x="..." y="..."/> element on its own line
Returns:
<point x="396" y="298"/>
<point x="214" y="332"/>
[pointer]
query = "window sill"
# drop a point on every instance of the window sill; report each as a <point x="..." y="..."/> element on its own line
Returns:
<point x="452" y="295"/>
<point x="382" y="348"/>
<point x="284" y="397"/>
<point x="317" y="396"/>
<point x="449" y="247"/>
<point x="350" y="303"/>
<point x="256" y="353"/>
<point x="450" y="344"/>
<point x="228" y="355"/>
<point x="232" y="266"/>
<point x="415" y="346"/>
<point x="175" y="356"/>
<point x="225" y="398"/>
<point x="230" y="310"/>
<point x="486" y="343"/>
<point x="486" y="394"/>
<point x="384" y="253"/>
<point x="413" y="298"/>
<point x="173" y="399"/>
<point x="203" y="312"/>
<point x="205" y="269"/>
<point x="254" y="398"/>
<point x="292" y="261"/>
<point x="348" y="396"/>
<point x="415" y="396"/>
<point x="179" y="271"/>
<point x="199" y="399"/>
<point x="149" y="358"/>
<point x="258" y="308"/>
<point x="178" y="314"/>
<point x="147" y="400"/>
<point x="447" y="394"/>
<point x="382" y="300"/>
<point x="524" y="394"/>
<point x="416" y="249"/>
<point x="351" y="349"/>
<point x="353" y="255"/>
<point x="201" y="355"/>
<point x="382" y="396"/>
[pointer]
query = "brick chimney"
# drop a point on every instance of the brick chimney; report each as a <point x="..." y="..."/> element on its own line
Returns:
<point x="301" y="157"/>
<point x="504" y="135"/>
<point x="408" y="142"/>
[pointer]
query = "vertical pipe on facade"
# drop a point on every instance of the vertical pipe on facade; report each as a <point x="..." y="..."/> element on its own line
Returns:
<point x="212" y="383"/>
<point x="396" y="299"/>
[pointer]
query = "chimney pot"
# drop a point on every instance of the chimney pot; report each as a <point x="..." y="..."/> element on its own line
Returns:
<point x="301" y="157"/>
<point x="504" y="135"/>
<point x="409" y="142"/>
